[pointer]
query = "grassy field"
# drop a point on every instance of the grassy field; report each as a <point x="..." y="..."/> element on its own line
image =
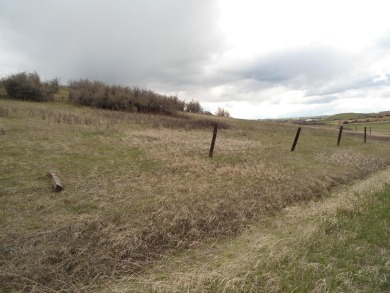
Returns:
<point x="373" y="129"/>
<point x="376" y="124"/>
<point x="140" y="188"/>
<point x="337" y="244"/>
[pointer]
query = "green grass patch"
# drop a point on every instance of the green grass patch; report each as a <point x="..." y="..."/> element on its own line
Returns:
<point x="349" y="253"/>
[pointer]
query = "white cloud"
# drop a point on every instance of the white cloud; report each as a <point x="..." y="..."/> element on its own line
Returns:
<point x="267" y="25"/>
<point x="381" y="77"/>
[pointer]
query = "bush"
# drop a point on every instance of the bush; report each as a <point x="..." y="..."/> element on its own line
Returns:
<point x="222" y="112"/>
<point x="28" y="86"/>
<point x="51" y="87"/>
<point x="114" y="97"/>
<point x="2" y="89"/>
<point x="193" y="107"/>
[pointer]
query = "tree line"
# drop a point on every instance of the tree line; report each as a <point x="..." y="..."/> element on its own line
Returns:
<point x="29" y="86"/>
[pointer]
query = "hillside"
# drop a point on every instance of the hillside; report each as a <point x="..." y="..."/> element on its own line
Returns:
<point x="139" y="188"/>
<point x="359" y="117"/>
<point x="347" y="116"/>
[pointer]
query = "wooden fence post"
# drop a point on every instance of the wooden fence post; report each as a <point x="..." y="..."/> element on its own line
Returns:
<point x="365" y="134"/>
<point x="339" y="138"/>
<point x="296" y="139"/>
<point x="211" y="153"/>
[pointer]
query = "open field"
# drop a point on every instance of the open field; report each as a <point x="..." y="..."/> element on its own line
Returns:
<point x="376" y="124"/>
<point x="376" y="128"/>
<point x="141" y="188"/>
<point x="373" y="129"/>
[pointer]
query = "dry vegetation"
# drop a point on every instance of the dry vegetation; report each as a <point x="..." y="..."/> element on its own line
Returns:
<point x="140" y="187"/>
<point x="100" y="95"/>
<point x="303" y="248"/>
<point x="29" y="87"/>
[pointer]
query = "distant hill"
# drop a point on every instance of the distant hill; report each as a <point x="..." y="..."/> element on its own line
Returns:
<point x="344" y="118"/>
<point x="358" y="117"/>
<point x="347" y="116"/>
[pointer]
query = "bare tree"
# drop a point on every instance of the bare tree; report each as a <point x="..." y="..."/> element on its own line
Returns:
<point x="193" y="107"/>
<point x="222" y="112"/>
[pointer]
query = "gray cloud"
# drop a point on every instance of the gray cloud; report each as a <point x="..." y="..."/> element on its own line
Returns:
<point x="115" y="41"/>
<point x="321" y="99"/>
<point x="301" y="67"/>
<point x="177" y="47"/>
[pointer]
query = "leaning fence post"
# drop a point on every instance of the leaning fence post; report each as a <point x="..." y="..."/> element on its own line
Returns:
<point x="339" y="138"/>
<point x="365" y="134"/>
<point x="296" y="139"/>
<point x="213" y="140"/>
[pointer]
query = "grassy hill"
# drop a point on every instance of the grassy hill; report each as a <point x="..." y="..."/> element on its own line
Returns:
<point x="358" y="117"/>
<point x="348" y="116"/>
<point x="141" y="188"/>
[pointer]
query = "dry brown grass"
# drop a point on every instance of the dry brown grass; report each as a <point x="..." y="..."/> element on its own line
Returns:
<point x="140" y="187"/>
<point x="234" y="261"/>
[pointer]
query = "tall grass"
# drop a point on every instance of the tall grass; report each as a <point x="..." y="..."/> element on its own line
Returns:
<point x="338" y="244"/>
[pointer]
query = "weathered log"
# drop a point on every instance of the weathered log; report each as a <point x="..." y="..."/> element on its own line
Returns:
<point x="56" y="181"/>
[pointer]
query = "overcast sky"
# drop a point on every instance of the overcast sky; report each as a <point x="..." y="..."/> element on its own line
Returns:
<point x="255" y="58"/>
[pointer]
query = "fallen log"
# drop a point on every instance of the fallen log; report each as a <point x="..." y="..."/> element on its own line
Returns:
<point x="56" y="181"/>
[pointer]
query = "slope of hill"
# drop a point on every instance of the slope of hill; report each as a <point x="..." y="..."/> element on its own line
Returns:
<point x="141" y="187"/>
<point x="347" y="116"/>
<point x="358" y="116"/>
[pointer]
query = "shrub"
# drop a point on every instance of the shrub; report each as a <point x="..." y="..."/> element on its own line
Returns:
<point x="100" y="95"/>
<point x="28" y="86"/>
<point x="222" y="112"/>
<point x="193" y="107"/>
<point x="2" y="89"/>
<point x="50" y="88"/>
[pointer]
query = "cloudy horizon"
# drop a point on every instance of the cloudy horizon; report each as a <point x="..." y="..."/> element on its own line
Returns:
<point x="257" y="59"/>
